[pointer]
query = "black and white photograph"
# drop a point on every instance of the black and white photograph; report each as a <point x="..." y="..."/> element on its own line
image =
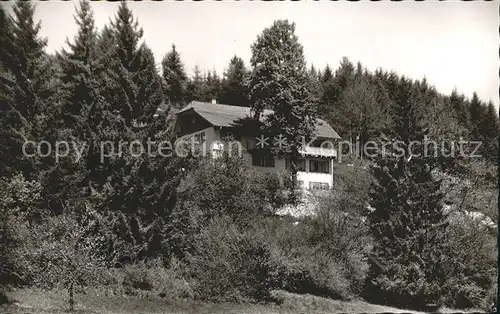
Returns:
<point x="280" y="157"/>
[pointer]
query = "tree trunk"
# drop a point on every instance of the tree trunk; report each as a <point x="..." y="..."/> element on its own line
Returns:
<point x="293" y="170"/>
<point x="71" y="298"/>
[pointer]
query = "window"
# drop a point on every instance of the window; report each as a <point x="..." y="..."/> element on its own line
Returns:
<point x="319" y="166"/>
<point x="262" y="159"/>
<point x="199" y="138"/>
<point x="319" y="186"/>
<point x="301" y="164"/>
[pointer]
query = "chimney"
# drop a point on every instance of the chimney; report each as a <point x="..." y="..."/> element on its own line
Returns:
<point x="214" y="101"/>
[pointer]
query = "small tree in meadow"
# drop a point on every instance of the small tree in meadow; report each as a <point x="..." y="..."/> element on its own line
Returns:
<point x="64" y="252"/>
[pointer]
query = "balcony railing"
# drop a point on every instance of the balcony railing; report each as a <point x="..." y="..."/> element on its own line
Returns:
<point x="318" y="151"/>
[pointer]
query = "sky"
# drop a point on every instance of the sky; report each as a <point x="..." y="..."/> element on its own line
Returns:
<point x="451" y="43"/>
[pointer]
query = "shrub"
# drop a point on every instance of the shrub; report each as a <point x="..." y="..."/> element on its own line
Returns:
<point x="301" y="263"/>
<point x="154" y="278"/>
<point x="18" y="203"/>
<point x="228" y="264"/>
<point x="310" y="271"/>
<point x="469" y="265"/>
<point x="339" y="230"/>
<point x="221" y="187"/>
<point x="490" y="303"/>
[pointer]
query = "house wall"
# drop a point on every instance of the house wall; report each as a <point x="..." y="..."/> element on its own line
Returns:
<point x="213" y="134"/>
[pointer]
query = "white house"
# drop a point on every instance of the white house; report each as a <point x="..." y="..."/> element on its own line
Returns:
<point x="212" y="124"/>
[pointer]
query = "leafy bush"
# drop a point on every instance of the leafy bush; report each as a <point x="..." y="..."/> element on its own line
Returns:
<point x="339" y="229"/>
<point x="302" y="263"/>
<point x="228" y="264"/>
<point x="490" y="303"/>
<point x="221" y="187"/>
<point x="19" y="201"/>
<point x="470" y="264"/>
<point x="154" y="278"/>
<point x="310" y="271"/>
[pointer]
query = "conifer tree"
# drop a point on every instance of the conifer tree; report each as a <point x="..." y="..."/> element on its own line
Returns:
<point x="29" y="53"/>
<point x="28" y="85"/>
<point x="175" y="78"/>
<point x="475" y="113"/>
<point x="196" y="86"/>
<point x="79" y="74"/>
<point x="314" y="82"/>
<point x="490" y="130"/>
<point x="460" y="109"/>
<point x="407" y="221"/>
<point x="149" y="93"/>
<point x="134" y="58"/>
<point x="212" y="86"/>
<point x="327" y="94"/>
<point x="279" y="82"/>
<point x="80" y="100"/>
<point x="14" y="124"/>
<point x="235" y="83"/>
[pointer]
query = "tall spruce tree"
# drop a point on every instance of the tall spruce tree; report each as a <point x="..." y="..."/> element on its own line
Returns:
<point x="460" y="109"/>
<point x="196" y="86"/>
<point x="475" y="113"/>
<point x="235" y="83"/>
<point x="407" y="222"/>
<point x="79" y="95"/>
<point x="149" y="87"/>
<point x="212" y="86"/>
<point x="327" y="94"/>
<point x="79" y="78"/>
<point x="29" y="47"/>
<point x="175" y="78"/>
<point x="490" y="130"/>
<point x="27" y="87"/>
<point x="13" y="122"/>
<point x="134" y="58"/>
<point x="314" y="83"/>
<point x="279" y="82"/>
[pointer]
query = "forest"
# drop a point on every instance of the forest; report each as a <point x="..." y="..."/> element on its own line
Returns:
<point x="194" y="229"/>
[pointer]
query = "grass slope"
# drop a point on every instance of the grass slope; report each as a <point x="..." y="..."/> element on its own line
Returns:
<point x="41" y="302"/>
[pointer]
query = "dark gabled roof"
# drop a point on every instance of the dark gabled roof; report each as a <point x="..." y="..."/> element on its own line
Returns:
<point x="226" y="116"/>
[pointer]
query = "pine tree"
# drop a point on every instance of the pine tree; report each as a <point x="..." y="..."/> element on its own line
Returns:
<point x="344" y="75"/>
<point x="149" y="94"/>
<point x="460" y="109"/>
<point x="79" y="77"/>
<point x="475" y="113"/>
<point x="235" y="83"/>
<point x="13" y="123"/>
<point x="196" y="86"/>
<point x="327" y="94"/>
<point x="490" y="130"/>
<point x="314" y="82"/>
<point x="279" y="82"/>
<point x="175" y="78"/>
<point x="28" y="84"/>
<point x="6" y="41"/>
<point x="79" y="94"/>
<point x="407" y="222"/>
<point x="212" y="86"/>
<point x="127" y="35"/>
<point x="29" y="53"/>
<point x="106" y="43"/>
